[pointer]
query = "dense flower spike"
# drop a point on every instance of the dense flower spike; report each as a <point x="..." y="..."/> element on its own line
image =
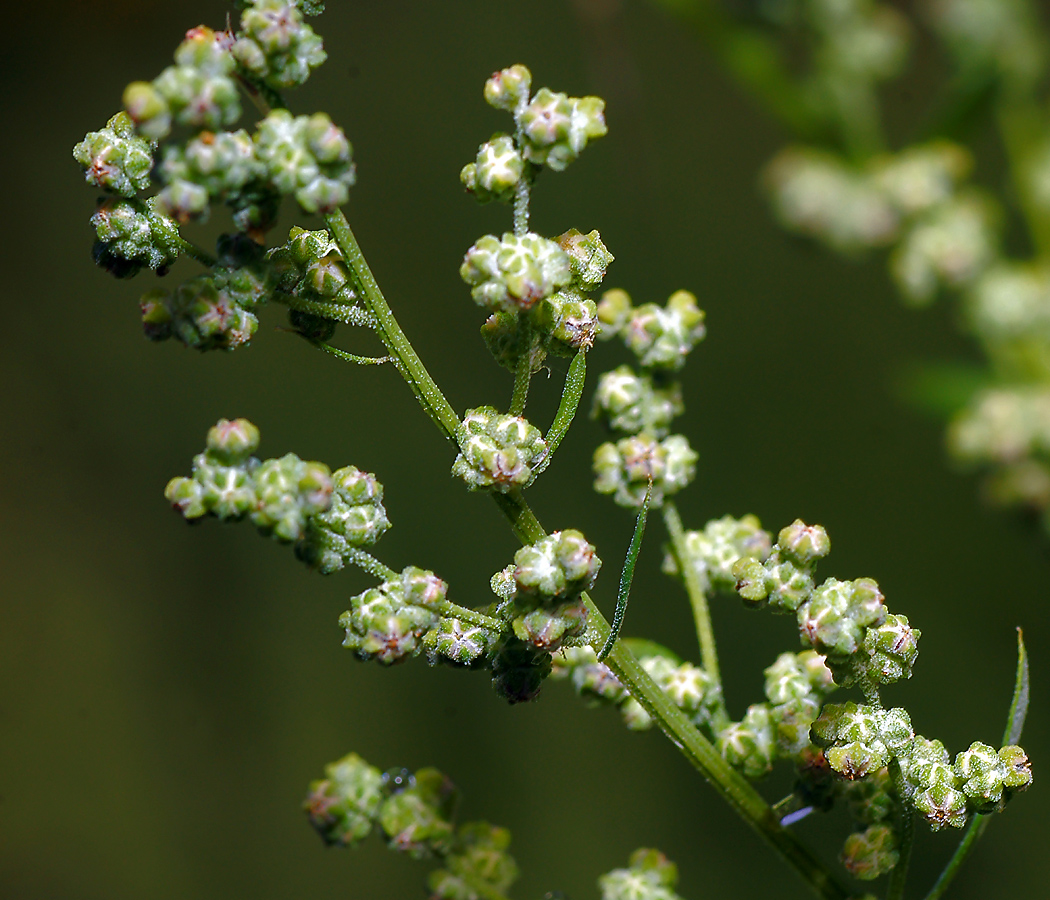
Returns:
<point x="275" y="45"/>
<point x="715" y="551"/>
<point x="387" y="623"/>
<point x="649" y="876"/>
<point x="497" y="451"/>
<point x="115" y="158"/>
<point x="307" y="156"/>
<point x="626" y="468"/>
<point x="133" y="236"/>
<point x="513" y="273"/>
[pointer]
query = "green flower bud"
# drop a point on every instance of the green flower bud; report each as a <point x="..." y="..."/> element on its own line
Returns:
<point x="415" y="819"/>
<point x="568" y="321"/>
<point x="1018" y="768"/>
<point x="508" y="88"/>
<point x="690" y="687"/>
<point x="592" y="680"/>
<point x="343" y="805"/>
<point x="480" y="857"/>
<point x="661" y="338"/>
<point x="197" y="90"/>
<point x="275" y="44"/>
<point x="631" y="403"/>
<point x="933" y="785"/>
<point x="210" y="166"/>
<point x="458" y="644"/>
<point x="870" y="799"/>
<point x="497" y="452"/>
<point x="148" y="109"/>
<point x="802" y="543"/>
<point x="893" y="647"/>
<point x="557" y="127"/>
<point x="187" y="496"/>
<point x="749" y="745"/>
<point x="132" y="236"/>
<point x="797" y="676"/>
<point x="496" y="170"/>
<point x="232" y="443"/>
<point x="778" y="582"/>
<point x="614" y="312"/>
<point x="226" y="492"/>
<point x="513" y="273"/>
<point x="502" y="334"/>
<point x="558" y="567"/>
<point x="871" y="853"/>
<point x="981" y="773"/>
<point x="307" y="156"/>
<point x="834" y="619"/>
<point x="202" y="313"/>
<point x="588" y="257"/>
<point x="714" y="552"/>
<point x="115" y="158"/>
<point x="518" y="669"/>
<point x="650" y="876"/>
<point x="288" y="492"/>
<point x="625" y="468"/>
<point x="792" y="721"/>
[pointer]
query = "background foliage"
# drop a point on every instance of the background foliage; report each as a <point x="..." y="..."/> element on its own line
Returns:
<point x="167" y="693"/>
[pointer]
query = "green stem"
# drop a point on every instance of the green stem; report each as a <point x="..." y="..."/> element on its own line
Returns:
<point x="697" y="599"/>
<point x="468" y="615"/>
<point x="188" y="247"/>
<point x="905" y="832"/>
<point x="973" y="833"/>
<point x="1022" y="125"/>
<point x="409" y="364"/>
<point x="627" y="576"/>
<point x="740" y="795"/>
<point x="570" y="402"/>
<point x="370" y="564"/>
<point x="523" y="369"/>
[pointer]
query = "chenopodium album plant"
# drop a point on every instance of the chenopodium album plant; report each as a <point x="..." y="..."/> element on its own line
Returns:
<point x="538" y="294"/>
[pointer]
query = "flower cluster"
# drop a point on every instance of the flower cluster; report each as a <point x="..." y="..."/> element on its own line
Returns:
<point x="714" y="552"/>
<point x="512" y="273"/>
<point x="132" y="236"/>
<point x="496" y="451"/>
<point x="628" y="467"/>
<point x="275" y="45"/>
<point x="543" y="588"/>
<point x="649" y="876"/>
<point x="115" y="158"/>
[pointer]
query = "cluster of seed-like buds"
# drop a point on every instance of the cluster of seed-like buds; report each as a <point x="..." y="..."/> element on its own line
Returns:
<point x="132" y="235"/>
<point x="632" y="403"/>
<point x="784" y="579"/>
<point x="414" y="813"/>
<point x="387" y="623"/>
<point x="858" y="740"/>
<point x="199" y="91"/>
<point x="356" y="518"/>
<point x="307" y="156"/>
<point x="661" y="337"/>
<point x="649" y="876"/>
<point x="512" y="274"/>
<point x="980" y="781"/>
<point x="1010" y="305"/>
<point x="626" y="468"/>
<point x="870" y="853"/>
<point x="944" y="236"/>
<point x="496" y="451"/>
<point x="278" y="495"/>
<point x="217" y="310"/>
<point x="714" y="552"/>
<point x="275" y="45"/>
<point x="210" y="166"/>
<point x="115" y="158"/>
<point x="496" y="170"/>
<point x="548" y="578"/>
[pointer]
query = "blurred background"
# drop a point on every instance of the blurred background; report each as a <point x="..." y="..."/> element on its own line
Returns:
<point x="166" y="693"/>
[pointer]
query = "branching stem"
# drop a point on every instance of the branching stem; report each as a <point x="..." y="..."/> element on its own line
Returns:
<point x="523" y="369"/>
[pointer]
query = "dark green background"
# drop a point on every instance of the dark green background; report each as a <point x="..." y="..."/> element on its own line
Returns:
<point x="168" y="692"/>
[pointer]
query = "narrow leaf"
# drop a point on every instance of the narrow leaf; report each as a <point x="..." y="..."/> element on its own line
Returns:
<point x="627" y="576"/>
<point x="570" y="401"/>
<point x="1019" y="704"/>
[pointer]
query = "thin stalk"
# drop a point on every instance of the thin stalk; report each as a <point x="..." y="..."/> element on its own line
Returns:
<point x="468" y="615"/>
<point x="367" y="562"/>
<point x="411" y="367"/>
<point x="570" y="402"/>
<point x="352" y="357"/>
<point x="523" y="369"/>
<point x="188" y="247"/>
<point x="697" y="599"/>
<point x="333" y="311"/>
<point x="627" y="575"/>
<point x="523" y="186"/>
<point x="905" y="832"/>
<point x="732" y="786"/>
